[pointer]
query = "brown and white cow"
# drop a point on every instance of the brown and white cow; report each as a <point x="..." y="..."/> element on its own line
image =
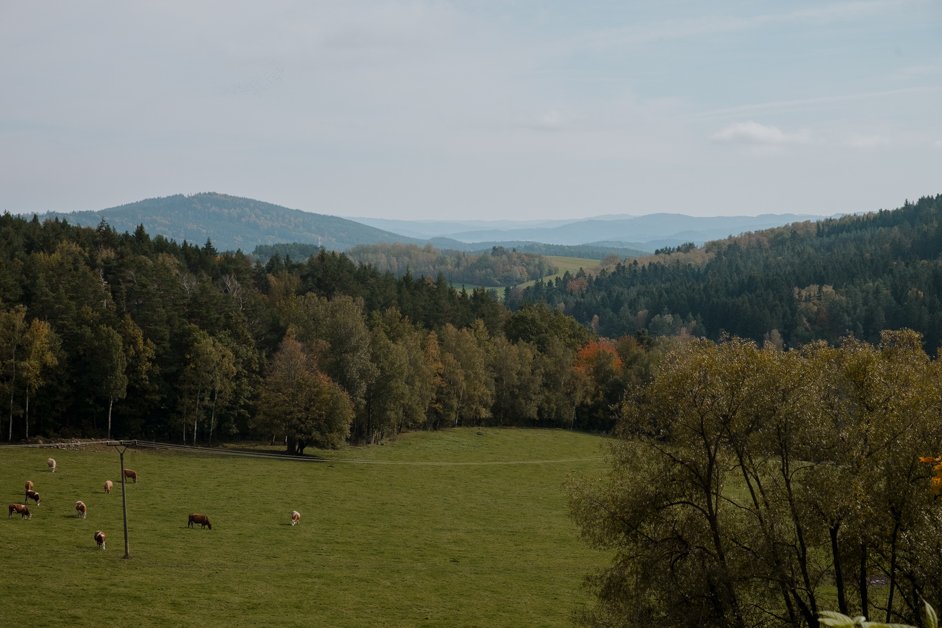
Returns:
<point x="131" y="474"/>
<point x="100" y="539"/>
<point x="199" y="518"/>
<point x="52" y="464"/>
<point x="81" y="510"/>
<point x="21" y="509"/>
<point x="295" y="517"/>
<point x="108" y="486"/>
<point x="32" y="495"/>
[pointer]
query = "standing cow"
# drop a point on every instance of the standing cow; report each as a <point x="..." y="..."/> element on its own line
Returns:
<point x="81" y="510"/>
<point x="21" y="509"/>
<point x="131" y="474"/>
<point x="199" y="518"/>
<point x="51" y="462"/>
<point x="108" y="486"/>
<point x="100" y="539"/>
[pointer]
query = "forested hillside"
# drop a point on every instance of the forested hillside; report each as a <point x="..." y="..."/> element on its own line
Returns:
<point x="128" y="335"/>
<point x="809" y="280"/>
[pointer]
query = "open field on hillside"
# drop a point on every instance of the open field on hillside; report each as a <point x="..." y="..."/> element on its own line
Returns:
<point x="459" y="527"/>
<point x="570" y="264"/>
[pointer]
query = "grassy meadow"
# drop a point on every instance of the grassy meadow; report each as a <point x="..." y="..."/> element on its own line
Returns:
<point x="464" y="527"/>
<point x="567" y="264"/>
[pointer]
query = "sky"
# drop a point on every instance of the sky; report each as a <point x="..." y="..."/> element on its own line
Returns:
<point x="481" y="109"/>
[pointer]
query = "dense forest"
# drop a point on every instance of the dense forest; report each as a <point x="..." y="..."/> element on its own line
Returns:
<point x="853" y="275"/>
<point x="300" y="251"/>
<point x="127" y="335"/>
<point x="496" y="268"/>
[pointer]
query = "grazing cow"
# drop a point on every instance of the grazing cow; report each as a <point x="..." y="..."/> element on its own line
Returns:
<point x="32" y="495"/>
<point x="29" y="485"/>
<point x="81" y="510"/>
<point x="108" y="485"/>
<point x="52" y="464"/>
<point x="199" y="518"/>
<point x="100" y="539"/>
<point x="131" y="474"/>
<point x="295" y="517"/>
<point x="20" y="508"/>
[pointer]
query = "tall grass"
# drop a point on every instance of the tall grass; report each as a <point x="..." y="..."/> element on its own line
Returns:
<point x="460" y="527"/>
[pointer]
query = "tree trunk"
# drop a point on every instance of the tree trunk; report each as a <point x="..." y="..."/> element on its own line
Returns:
<point x="196" y="415"/>
<point x="810" y="611"/>
<point x="893" y="544"/>
<point x="27" y="413"/>
<point x="212" y="416"/>
<point x="12" y="391"/>
<point x="110" y="405"/>
<point x="862" y="583"/>
<point x="838" y="570"/>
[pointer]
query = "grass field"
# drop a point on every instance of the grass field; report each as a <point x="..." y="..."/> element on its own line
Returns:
<point x="564" y="264"/>
<point x="465" y="527"/>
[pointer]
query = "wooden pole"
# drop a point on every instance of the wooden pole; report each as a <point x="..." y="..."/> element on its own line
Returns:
<point x="124" y="502"/>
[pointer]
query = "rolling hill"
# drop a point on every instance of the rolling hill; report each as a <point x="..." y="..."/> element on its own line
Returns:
<point x="231" y="223"/>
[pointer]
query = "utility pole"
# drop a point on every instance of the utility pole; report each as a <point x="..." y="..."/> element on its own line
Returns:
<point x="124" y="501"/>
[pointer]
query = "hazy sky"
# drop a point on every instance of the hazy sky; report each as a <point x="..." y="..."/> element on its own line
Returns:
<point x="477" y="109"/>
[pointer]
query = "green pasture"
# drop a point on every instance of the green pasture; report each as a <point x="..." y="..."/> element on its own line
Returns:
<point x="564" y="264"/>
<point x="573" y="264"/>
<point x="464" y="527"/>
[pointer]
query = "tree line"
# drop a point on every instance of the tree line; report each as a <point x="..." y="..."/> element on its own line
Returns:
<point x="496" y="268"/>
<point x="128" y="335"/>
<point x="755" y="486"/>
<point x="858" y="274"/>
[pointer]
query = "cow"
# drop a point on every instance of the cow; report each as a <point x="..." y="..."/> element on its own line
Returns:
<point x="81" y="510"/>
<point x="108" y="485"/>
<point x="29" y="485"/>
<point x="20" y="508"/>
<point x="32" y="495"/>
<point x="131" y="474"/>
<point x="199" y="518"/>
<point x="100" y="539"/>
<point x="295" y="517"/>
<point x="52" y="464"/>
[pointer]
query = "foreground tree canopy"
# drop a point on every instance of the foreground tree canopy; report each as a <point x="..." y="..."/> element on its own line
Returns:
<point x="758" y="487"/>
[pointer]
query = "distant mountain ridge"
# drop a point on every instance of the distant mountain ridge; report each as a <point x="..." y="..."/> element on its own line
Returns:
<point x="232" y="222"/>
<point x="648" y="231"/>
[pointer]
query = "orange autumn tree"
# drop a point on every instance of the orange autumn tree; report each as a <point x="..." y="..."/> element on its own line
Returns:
<point x="599" y="376"/>
<point x="935" y="482"/>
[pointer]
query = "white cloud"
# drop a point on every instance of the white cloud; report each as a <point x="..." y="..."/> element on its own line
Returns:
<point x="753" y="133"/>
